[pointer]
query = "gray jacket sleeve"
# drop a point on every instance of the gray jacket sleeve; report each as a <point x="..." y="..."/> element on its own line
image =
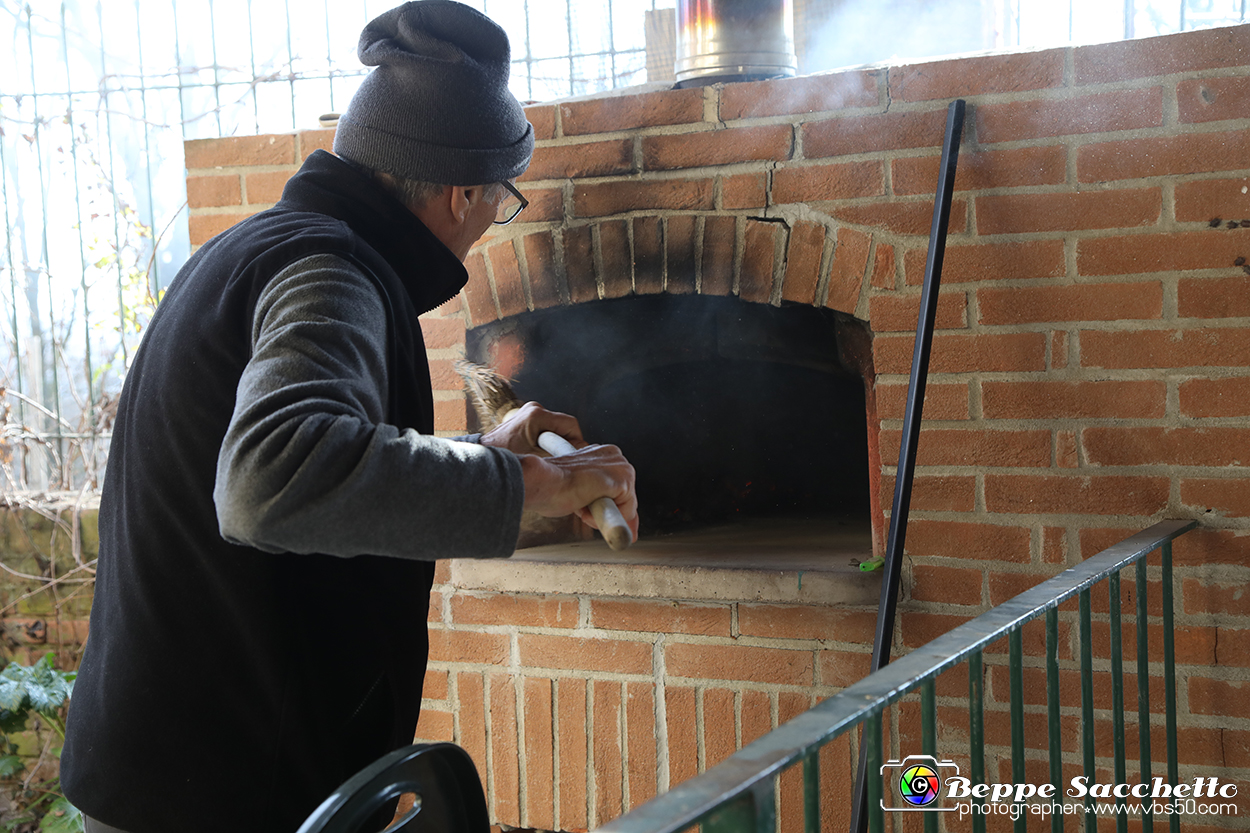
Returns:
<point x="309" y="464"/>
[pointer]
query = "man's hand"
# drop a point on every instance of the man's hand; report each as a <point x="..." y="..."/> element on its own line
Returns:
<point x="519" y="432"/>
<point x="559" y="486"/>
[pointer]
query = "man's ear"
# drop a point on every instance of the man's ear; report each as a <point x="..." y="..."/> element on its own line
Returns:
<point x="447" y="216"/>
<point x="460" y="200"/>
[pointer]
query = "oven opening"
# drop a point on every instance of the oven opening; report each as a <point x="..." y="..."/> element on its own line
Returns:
<point x="738" y="417"/>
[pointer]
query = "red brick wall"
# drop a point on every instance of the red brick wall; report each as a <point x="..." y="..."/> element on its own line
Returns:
<point x="1090" y="375"/>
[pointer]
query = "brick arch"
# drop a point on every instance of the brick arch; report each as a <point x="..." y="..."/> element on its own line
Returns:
<point x="760" y="260"/>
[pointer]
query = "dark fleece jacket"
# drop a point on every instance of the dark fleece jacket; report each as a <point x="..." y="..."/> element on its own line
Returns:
<point x="251" y="650"/>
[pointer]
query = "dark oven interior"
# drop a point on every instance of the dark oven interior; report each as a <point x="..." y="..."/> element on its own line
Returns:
<point x="729" y="411"/>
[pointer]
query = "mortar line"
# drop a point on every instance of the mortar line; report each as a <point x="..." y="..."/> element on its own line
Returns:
<point x="518" y="248"/>
<point x="739" y="250"/>
<point x="663" y="223"/>
<point x="557" y="798"/>
<point x="825" y="277"/>
<point x="596" y="259"/>
<point x="781" y="255"/>
<point x="699" y="229"/>
<point x="699" y="734"/>
<point x="622" y="731"/>
<point x="660" y="709"/>
<point x="488" y="752"/>
<point x="518" y="699"/>
<point x="592" y="786"/>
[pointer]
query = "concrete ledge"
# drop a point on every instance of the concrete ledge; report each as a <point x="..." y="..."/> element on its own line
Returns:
<point x="802" y="563"/>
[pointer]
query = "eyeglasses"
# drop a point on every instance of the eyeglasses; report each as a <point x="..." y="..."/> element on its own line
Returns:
<point x="513" y="204"/>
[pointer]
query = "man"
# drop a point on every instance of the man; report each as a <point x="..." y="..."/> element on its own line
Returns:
<point x="275" y="497"/>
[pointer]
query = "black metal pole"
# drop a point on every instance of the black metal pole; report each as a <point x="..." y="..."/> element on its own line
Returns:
<point x="911" y="430"/>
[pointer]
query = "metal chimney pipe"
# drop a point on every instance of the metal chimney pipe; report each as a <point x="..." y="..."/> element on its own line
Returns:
<point x="734" y="40"/>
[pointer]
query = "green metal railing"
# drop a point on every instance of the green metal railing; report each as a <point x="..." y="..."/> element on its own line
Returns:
<point x="740" y="793"/>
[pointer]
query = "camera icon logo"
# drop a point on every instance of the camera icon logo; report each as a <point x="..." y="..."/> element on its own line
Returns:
<point x="920" y="785"/>
<point x="917" y="781"/>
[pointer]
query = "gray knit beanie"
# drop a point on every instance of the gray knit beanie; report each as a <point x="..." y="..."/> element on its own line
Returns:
<point x="437" y="107"/>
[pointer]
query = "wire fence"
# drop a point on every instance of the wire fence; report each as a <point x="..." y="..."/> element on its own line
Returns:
<point x="98" y="96"/>
<point x="97" y="100"/>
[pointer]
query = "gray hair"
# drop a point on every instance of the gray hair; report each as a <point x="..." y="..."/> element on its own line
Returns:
<point x="413" y="193"/>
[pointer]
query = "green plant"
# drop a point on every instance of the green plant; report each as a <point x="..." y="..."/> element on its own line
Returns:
<point x="40" y="691"/>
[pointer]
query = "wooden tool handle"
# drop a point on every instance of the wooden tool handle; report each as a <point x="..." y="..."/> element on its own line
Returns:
<point x="610" y="520"/>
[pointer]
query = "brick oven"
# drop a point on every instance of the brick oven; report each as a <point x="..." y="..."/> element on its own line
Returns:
<point x="1090" y="375"/>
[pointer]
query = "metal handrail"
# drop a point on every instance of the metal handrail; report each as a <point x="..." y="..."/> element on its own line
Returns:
<point x="745" y="774"/>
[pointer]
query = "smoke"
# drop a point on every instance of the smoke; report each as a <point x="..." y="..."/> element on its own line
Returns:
<point x="854" y="32"/>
